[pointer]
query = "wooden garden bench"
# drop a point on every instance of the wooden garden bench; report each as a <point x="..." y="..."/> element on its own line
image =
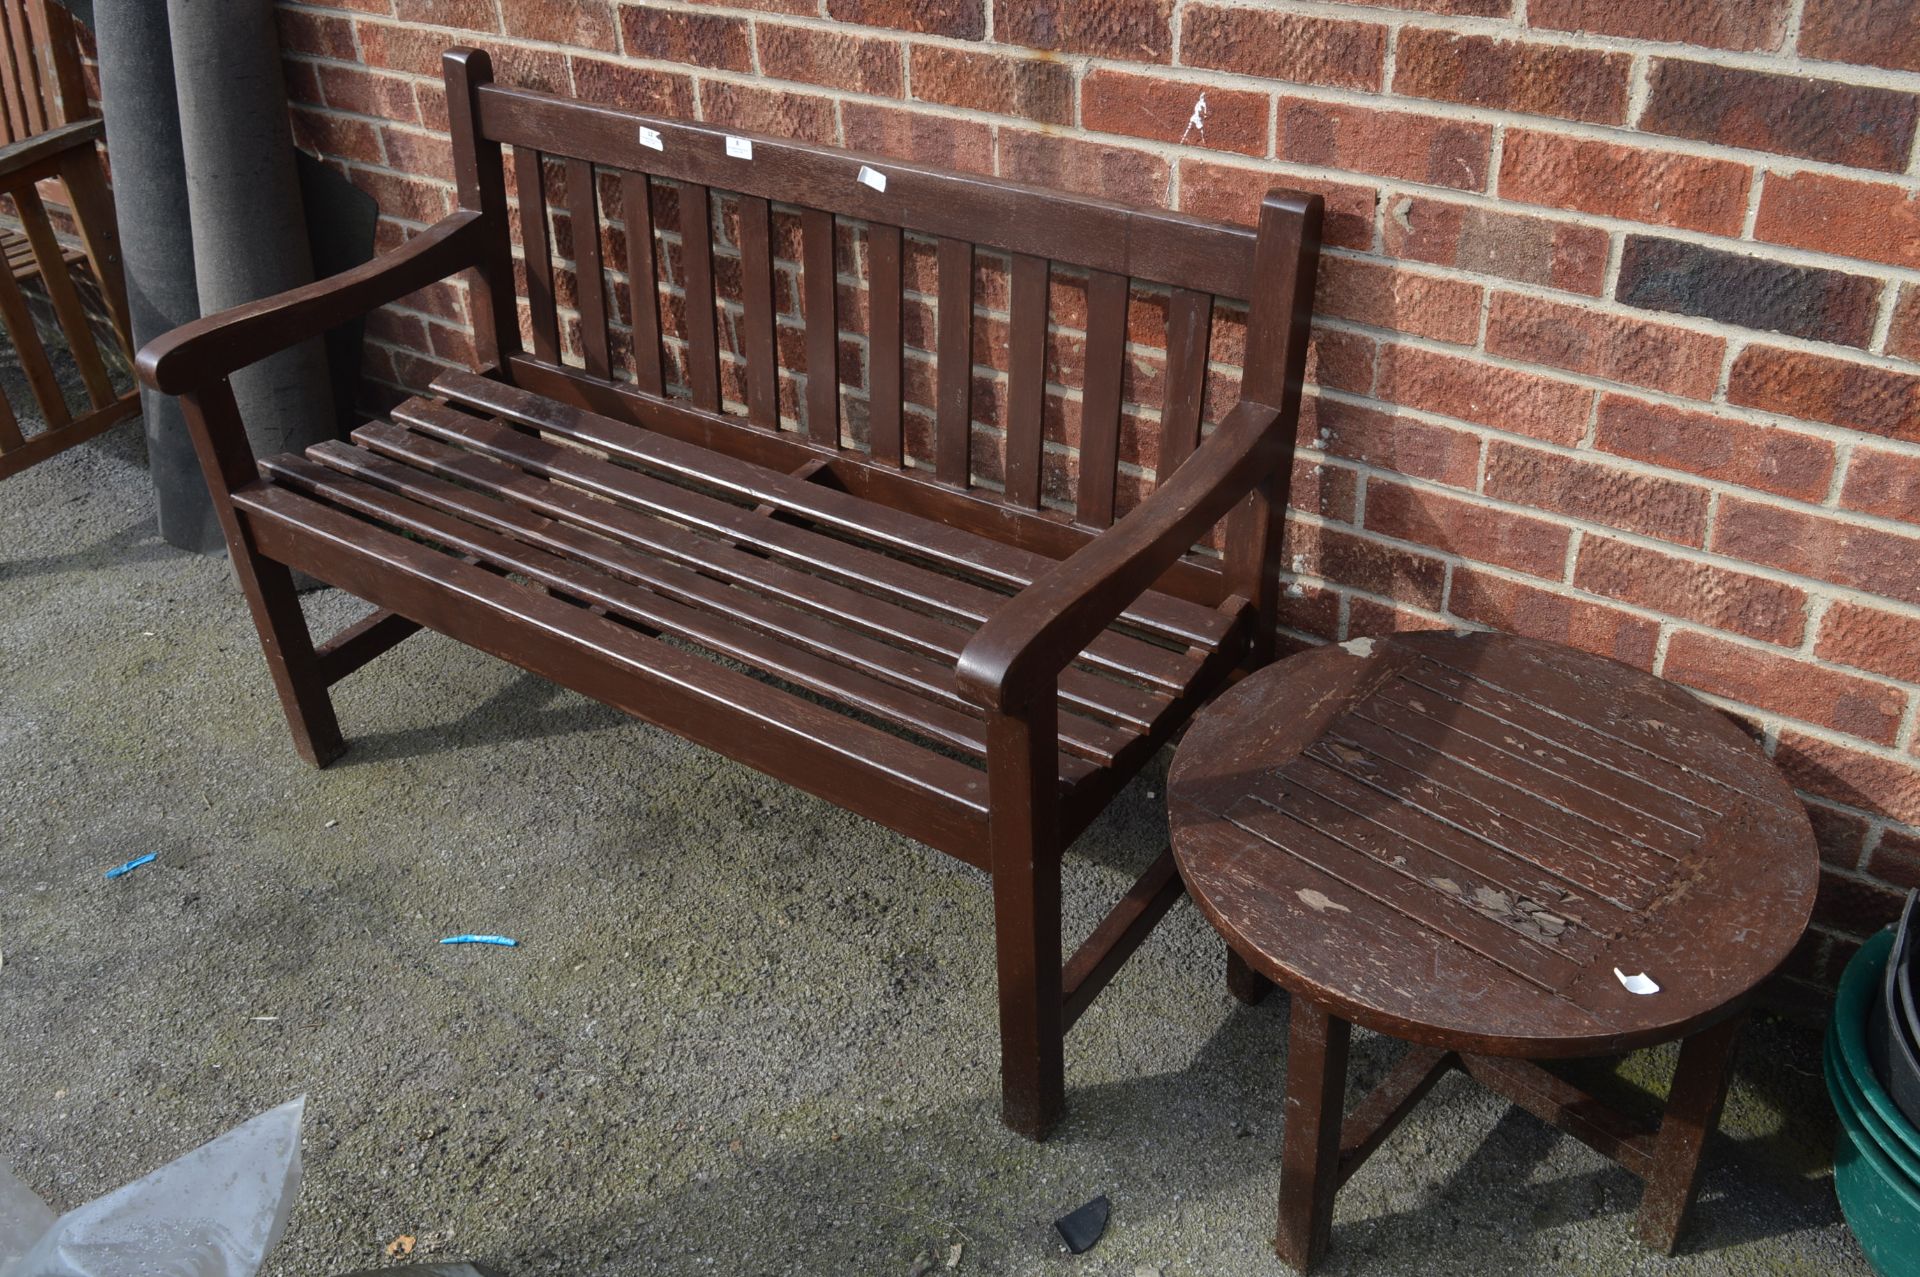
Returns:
<point x="968" y="663"/>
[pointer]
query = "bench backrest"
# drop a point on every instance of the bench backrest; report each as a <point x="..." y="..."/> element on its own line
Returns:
<point x="1019" y="361"/>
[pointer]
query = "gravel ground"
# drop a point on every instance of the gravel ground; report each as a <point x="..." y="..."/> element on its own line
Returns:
<point x="744" y="1032"/>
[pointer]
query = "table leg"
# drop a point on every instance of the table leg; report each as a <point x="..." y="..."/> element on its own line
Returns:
<point x="1693" y="1111"/>
<point x="1310" y="1165"/>
<point x="1244" y="983"/>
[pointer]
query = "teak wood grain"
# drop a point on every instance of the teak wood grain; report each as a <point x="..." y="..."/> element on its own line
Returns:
<point x="651" y="507"/>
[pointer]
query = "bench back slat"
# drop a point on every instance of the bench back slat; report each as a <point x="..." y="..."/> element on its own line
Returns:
<point x="885" y="351"/>
<point x="643" y="297"/>
<point x="589" y="280"/>
<point x="979" y="326"/>
<point x="1026" y="379"/>
<point x="696" y="255"/>
<point x="530" y="183"/>
<point x="821" y="277"/>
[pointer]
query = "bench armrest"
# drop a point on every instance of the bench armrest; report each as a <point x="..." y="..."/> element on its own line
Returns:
<point x="30" y="152"/>
<point x="1027" y="642"/>
<point x="210" y="348"/>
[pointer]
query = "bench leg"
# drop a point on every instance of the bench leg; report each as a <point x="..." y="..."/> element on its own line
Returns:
<point x="288" y="646"/>
<point x="1693" y="1112"/>
<point x="1022" y="771"/>
<point x="1310" y="1162"/>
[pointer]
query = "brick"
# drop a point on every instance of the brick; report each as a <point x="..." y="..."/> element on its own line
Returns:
<point x="1895" y="860"/>
<point x="1903" y="337"/>
<point x="1369" y="292"/>
<point x="1469" y="529"/>
<point x="1091" y="168"/>
<point x="778" y="112"/>
<point x="465" y="15"/>
<point x="960" y="19"/>
<point x="1299" y="48"/>
<point x="1663" y="188"/>
<point x="1341" y="360"/>
<point x="419" y="154"/>
<point x="927" y="139"/>
<point x="1877" y="33"/>
<point x="1038" y="89"/>
<point x="1787" y="114"/>
<point x="418" y="51"/>
<point x="1670" y="509"/>
<point x="1854" y="905"/>
<point x="851" y="63"/>
<point x="365" y="93"/>
<point x="1883" y="483"/>
<point x="1841" y="835"/>
<point x="1367" y="616"/>
<point x="693" y="39"/>
<point x="317" y="35"/>
<point x="1801" y="301"/>
<point x="1871" y="782"/>
<point x="1717" y="24"/>
<point x="1400" y="144"/>
<point x="1153" y="107"/>
<point x="1819" y="546"/>
<point x="1326" y="490"/>
<point x="1136" y="30"/>
<point x="1532" y="250"/>
<point x="1417" y="449"/>
<point x="635" y="88"/>
<point x="1519" y="608"/>
<point x="1691" y="590"/>
<point x="1472" y="390"/>
<point x="1785" y="685"/>
<point x="1341" y="558"/>
<point x="1614" y="347"/>
<point x="1874" y="221"/>
<point x="1871" y="638"/>
<point x="584" y="24"/>
<point x="406" y="198"/>
<point x="323" y="133"/>
<point x="1785" y="462"/>
<point x="1512" y="75"/>
<point x="1814" y="387"/>
<point x="811" y="8"/>
<point x="1231" y="193"/>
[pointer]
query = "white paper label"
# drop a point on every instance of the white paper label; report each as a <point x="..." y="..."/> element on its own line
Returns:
<point x="650" y="138"/>
<point x="740" y="148"/>
<point x="1635" y="983"/>
<point x="869" y="177"/>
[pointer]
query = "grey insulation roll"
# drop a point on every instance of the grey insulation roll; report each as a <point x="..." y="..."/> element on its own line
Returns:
<point x="156" y="243"/>
<point x="244" y="203"/>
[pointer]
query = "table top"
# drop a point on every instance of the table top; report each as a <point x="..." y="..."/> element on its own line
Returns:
<point x="1477" y="841"/>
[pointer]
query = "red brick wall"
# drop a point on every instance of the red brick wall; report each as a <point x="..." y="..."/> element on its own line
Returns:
<point x="1620" y="327"/>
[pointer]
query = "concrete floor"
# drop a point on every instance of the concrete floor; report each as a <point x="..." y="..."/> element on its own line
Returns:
<point x="744" y="1032"/>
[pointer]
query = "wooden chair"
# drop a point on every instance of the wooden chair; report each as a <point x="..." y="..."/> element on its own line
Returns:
<point x="963" y="661"/>
<point x="51" y="139"/>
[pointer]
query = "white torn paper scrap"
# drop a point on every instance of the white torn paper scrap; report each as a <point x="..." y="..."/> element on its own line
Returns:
<point x="650" y="138"/>
<point x="1358" y="646"/>
<point x="873" y="177"/>
<point x="740" y="148"/>
<point x="1635" y="983"/>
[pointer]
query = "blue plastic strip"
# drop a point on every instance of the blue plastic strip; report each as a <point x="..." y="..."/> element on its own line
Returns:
<point x="502" y="941"/>
<point x="133" y="864"/>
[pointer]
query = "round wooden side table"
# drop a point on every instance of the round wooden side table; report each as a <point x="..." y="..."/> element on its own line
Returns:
<point x="1499" y="850"/>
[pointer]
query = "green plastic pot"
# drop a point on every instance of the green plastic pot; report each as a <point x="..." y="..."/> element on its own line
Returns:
<point x="1842" y="1085"/>
<point x="1880" y="1201"/>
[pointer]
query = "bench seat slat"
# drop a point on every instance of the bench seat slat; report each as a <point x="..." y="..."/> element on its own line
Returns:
<point x="419" y="459"/>
<point x="866" y="567"/>
<point x="1166" y="616"/>
<point x="574" y="579"/>
<point x="716" y="609"/>
<point x="920" y="793"/>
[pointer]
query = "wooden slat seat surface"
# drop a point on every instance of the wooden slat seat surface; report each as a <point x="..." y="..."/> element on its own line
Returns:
<point x="830" y="602"/>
